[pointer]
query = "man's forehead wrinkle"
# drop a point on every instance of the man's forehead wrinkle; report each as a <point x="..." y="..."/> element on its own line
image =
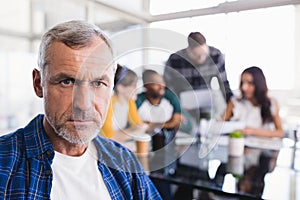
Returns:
<point x="93" y="74"/>
<point x="93" y="56"/>
<point x="94" y="63"/>
<point x="95" y="52"/>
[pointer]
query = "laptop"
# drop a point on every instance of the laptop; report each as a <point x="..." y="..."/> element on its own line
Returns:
<point x="193" y="99"/>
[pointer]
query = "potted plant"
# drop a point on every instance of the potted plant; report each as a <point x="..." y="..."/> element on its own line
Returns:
<point x="236" y="144"/>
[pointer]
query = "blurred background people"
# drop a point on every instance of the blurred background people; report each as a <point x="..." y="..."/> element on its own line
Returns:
<point x="193" y="68"/>
<point x="122" y="117"/>
<point x="158" y="106"/>
<point x="255" y="108"/>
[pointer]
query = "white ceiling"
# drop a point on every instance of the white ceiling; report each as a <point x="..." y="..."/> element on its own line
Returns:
<point x="29" y="18"/>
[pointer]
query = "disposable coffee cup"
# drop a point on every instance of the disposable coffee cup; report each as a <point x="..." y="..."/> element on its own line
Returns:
<point x="144" y="160"/>
<point x="236" y="144"/>
<point x="142" y="144"/>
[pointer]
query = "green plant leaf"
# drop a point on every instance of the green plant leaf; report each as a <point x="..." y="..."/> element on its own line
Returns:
<point x="236" y="134"/>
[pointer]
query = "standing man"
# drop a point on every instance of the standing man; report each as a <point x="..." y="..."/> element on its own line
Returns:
<point x="58" y="155"/>
<point x="194" y="67"/>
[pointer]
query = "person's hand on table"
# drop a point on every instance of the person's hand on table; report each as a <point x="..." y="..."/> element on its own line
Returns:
<point x="247" y="131"/>
<point x="153" y="126"/>
<point x="143" y="126"/>
<point x="262" y="132"/>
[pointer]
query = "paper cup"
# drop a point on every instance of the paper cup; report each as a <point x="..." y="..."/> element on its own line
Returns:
<point x="142" y="144"/>
<point x="145" y="162"/>
<point x="236" y="146"/>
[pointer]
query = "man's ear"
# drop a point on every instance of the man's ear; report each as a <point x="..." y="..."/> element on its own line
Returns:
<point x="37" y="83"/>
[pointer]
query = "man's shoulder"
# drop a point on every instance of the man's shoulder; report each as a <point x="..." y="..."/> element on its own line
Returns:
<point x="213" y="51"/>
<point x="141" y="97"/>
<point x="179" y="54"/>
<point x="11" y="148"/>
<point x="170" y="96"/>
<point x="173" y="99"/>
<point x="8" y="141"/>
<point x="122" y="167"/>
<point x="116" y="156"/>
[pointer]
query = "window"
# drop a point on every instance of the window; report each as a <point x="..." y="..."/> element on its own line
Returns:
<point x="168" y="6"/>
<point x="262" y="37"/>
<point x="18" y="102"/>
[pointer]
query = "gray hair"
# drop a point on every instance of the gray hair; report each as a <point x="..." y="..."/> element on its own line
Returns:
<point x="74" y="34"/>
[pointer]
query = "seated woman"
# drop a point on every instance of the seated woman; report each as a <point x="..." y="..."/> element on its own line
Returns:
<point x="122" y="116"/>
<point x="259" y="112"/>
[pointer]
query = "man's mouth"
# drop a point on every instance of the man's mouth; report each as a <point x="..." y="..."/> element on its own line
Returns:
<point x="80" y="122"/>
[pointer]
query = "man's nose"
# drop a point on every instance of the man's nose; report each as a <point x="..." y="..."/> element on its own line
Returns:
<point x="83" y="98"/>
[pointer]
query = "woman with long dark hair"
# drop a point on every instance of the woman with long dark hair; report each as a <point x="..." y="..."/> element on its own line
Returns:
<point x="255" y="108"/>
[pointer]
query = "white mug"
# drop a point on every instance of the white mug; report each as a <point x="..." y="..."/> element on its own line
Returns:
<point x="236" y="146"/>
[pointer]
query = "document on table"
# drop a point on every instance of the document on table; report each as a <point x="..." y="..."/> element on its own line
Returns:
<point x="184" y="138"/>
<point x="219" y="127"/>
<point x="256" y="142"/>
<point x="263" y="143"/>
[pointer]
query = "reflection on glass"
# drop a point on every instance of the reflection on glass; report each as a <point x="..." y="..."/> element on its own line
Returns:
<point x="252" y="181"/>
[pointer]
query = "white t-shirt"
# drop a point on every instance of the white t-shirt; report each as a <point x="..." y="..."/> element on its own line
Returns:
<point x="156" y="113"/>
<point x="120" y="119"/>
<point x="78" y="177"/>
<point x="246" y="112"/>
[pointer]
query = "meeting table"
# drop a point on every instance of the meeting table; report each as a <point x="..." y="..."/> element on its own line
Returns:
<point x="268" y="168"/>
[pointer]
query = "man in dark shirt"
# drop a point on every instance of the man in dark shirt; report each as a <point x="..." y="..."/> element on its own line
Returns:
<point x="194" y="67"/>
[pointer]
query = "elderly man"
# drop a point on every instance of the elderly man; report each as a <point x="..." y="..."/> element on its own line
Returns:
<point x="59" y="155"/>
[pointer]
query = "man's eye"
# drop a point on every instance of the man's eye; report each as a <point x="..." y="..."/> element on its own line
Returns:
<point x="99" y="83"/>
<point x="67" y="82"/>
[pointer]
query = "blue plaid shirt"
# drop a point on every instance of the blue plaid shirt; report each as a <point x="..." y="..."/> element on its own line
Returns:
<point x="25" y="167"/>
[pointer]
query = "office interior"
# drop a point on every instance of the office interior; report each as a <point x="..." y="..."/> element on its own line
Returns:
<point x="249" y="33"/>
<point x="263" y="33"/>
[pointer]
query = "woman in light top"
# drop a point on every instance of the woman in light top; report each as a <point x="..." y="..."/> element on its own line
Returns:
<point x="259" y="112"/>
<point x="122" y="116"/>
